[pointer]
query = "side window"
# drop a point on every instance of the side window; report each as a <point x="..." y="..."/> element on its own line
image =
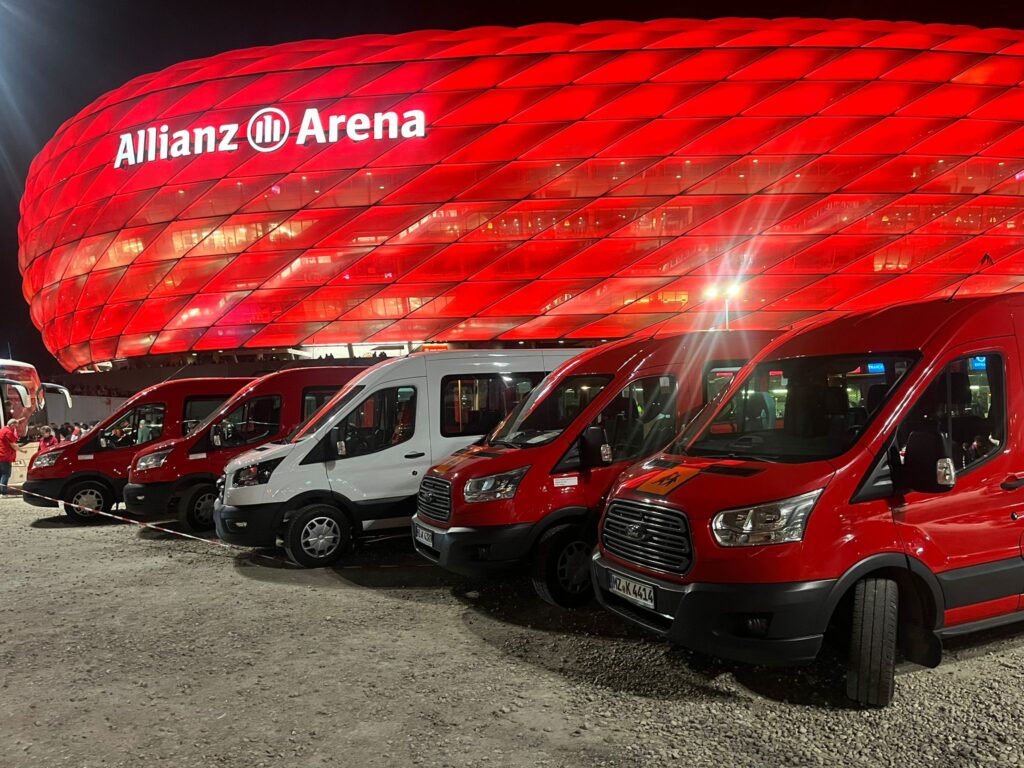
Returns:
<point x="196" y="409"/>
<point x="254" y="421"/>
<point x="474" y="404"/>
<point x="641" y="418"/>
<point x="385" y="418"/>
<point x="314" y="398"/>
<point x="138" y="426"/>
<point x="966" y="405"/>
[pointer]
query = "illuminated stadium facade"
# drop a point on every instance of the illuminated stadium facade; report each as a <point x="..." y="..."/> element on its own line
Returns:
<point x="541" y="184"/>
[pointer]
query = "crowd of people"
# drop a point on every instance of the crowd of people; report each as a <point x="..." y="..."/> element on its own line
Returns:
<point x="52" y="434"/>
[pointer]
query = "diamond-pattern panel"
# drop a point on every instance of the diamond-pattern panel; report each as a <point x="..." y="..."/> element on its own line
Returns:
<point x="565" y="182"/>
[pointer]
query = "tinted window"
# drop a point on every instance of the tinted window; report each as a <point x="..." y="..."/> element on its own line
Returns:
<point x="641" y="418"/>
<point x="385" y="418"/>
<point x="196" y="409"/>
<point x="966" y="405"/>
<point x="253" y="421"/>
<point x="314" y="398"/>
<point x="475" y="404"/>
<point x="546" y="413"/>
<point x="326" y="415"/>
<point x="801" y="409"/>
<point x="139" y="426"/>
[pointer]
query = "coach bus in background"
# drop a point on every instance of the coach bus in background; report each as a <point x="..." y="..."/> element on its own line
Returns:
<point x="23" y="394"/>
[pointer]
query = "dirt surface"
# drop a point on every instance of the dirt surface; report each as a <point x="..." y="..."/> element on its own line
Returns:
<point x="127" y="647"/>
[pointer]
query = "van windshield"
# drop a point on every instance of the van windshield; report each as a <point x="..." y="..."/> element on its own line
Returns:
<point x="326" y="414"/>
<point x="547" y="412"/>
<point x="799" y="409"/>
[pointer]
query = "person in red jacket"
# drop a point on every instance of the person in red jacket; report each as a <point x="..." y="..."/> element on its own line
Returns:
<point x="47" y="439"/>
<point x="8" y="452"/>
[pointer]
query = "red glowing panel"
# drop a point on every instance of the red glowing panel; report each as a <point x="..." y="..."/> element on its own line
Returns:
<point x="546" y="183"/>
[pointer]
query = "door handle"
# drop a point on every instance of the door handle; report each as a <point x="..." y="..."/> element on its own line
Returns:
<point x="1012" y="483"/>
<point x="421" y="454"/>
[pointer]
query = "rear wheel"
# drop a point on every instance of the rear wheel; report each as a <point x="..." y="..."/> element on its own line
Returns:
<point x="561" y="567"/>
<point x="317" y="536"/>
<point x="83" y="500"/>
<point x="195" y="512"/>
<point x="871" y="668"/>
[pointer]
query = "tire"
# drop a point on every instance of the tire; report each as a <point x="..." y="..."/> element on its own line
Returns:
<point x="91" y="494"/>
<point x="317" y="536"/>
<point x="195" y="511"/>
<point x="561" y="567"/>
<point x="871" y="669"/>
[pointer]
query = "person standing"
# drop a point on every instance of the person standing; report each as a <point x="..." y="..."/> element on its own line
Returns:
<point x="47" y="439"/>
<point x="8" y="452"/>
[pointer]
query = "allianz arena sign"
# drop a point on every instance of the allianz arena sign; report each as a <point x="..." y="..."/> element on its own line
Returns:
<point x="267" y="130"/>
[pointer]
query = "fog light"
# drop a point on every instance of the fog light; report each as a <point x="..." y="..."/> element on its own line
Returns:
<point x="756" y="626"/>
<point x="241" y="524"/>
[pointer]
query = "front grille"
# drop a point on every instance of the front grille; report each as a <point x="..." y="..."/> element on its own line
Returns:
<point x="434" y="499"/>
<point x="650" y="536"/>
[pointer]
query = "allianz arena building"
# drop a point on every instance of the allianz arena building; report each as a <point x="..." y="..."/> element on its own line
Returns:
<point x="545" y="184"/>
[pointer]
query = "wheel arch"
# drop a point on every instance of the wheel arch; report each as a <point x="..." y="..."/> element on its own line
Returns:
<point x="319" y="496"/>
<point x="922" y="605"/>
<point x="564" y="516"/>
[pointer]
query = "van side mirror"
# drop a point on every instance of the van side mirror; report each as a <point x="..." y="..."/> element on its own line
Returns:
<point x="216" y="436"/>
<point x="927" y="464"/>
<point x="337" y="441"/>
<point x="103" y="442"/>
<point x="594" y="448"/>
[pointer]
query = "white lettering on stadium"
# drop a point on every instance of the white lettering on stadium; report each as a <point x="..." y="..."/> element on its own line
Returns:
<point x="266" y="131"/>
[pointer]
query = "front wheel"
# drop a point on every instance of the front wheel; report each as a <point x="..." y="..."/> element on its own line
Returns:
<point x="196" y="511"/>
<point x="871" y="668"/>
<point x="83" y="500"/>
<point x="561" y="567"/>
<point x="317" y="536"/>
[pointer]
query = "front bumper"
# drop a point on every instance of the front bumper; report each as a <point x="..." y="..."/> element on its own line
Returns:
<point x="788" y="619"/>
<point x="50" y="488"/>
<point x="147" y="498"/>
<point x="475" y="552"/>
<point x="254" y="525"/>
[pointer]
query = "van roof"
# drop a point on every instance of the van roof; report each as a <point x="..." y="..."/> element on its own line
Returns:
<point x="173" y="385"/>
<point x="666" y="351"/>
<point x="903" y="327"/>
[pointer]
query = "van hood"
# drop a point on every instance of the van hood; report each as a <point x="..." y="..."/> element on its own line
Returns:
<point x="702" y="487"/>
<point x="480" y="461"/>
<point x="162" y="445"/>
<point x="262" y="453"/>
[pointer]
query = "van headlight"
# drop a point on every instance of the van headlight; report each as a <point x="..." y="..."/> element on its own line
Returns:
<point x="47" y="459"/>
<point x="255" y="474"/>
<point x="776" y="522"/>
<point x="152" y="460"/>
<point x="494" y="487"/>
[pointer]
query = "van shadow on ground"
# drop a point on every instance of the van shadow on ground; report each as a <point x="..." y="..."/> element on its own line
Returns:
<point x="387" y="562"/>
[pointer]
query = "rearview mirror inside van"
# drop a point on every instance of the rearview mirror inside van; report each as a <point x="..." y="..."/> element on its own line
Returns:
<point x="927" y="463"/>
<point x="594" y="448"/>
<point x="337" y="442"/>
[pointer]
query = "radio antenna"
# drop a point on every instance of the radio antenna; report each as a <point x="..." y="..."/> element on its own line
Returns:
<point x="986" y="261"/>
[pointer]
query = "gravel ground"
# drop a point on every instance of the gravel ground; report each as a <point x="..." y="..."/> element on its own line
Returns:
<point x="128" y="647"/>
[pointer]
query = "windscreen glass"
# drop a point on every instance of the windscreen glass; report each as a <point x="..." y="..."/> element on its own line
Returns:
<point x="325" y="414"/>
<point x="548" y="412"/>
<point x="800" y="409"/>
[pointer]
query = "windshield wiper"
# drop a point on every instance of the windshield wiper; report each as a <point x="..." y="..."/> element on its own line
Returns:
<point x="502" y="443"/>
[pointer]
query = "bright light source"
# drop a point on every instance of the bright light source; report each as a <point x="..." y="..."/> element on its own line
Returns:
<point x="733" y="290"/>
<point x="711" y="292"/>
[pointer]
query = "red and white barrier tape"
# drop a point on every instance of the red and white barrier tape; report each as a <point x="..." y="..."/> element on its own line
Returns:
<point x="61" y="504"/>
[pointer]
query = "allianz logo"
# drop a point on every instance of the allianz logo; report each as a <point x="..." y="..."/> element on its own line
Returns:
<point x="268" y="130"/>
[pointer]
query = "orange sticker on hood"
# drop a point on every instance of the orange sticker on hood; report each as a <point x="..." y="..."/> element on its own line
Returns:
<point x="668" y="480"/>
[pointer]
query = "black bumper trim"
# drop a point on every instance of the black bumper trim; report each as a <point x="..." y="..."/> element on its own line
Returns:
<point x="254" y="525"/>
<point x="711" y="618"/>
<point x="147" y="498"/>
<point x="51" y="487"/>
<point x="476" y="552"/>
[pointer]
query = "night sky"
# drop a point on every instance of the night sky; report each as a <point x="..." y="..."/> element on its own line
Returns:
<point x="56" y="56"/>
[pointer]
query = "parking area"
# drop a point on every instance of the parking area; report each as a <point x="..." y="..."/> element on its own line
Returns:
<point x="125" y="647"/>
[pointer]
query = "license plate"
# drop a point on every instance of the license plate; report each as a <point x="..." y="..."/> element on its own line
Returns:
<point x="634" y="591"/>
<point x="423" y="536"/>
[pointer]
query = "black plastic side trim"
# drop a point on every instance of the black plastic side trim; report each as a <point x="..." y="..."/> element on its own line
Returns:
<point x="981" y="583"/>
<point x="977" y="626"/>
